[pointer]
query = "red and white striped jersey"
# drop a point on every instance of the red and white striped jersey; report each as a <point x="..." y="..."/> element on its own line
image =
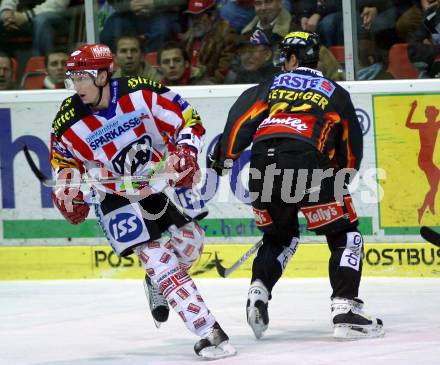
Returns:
<point x="142" y="124"/>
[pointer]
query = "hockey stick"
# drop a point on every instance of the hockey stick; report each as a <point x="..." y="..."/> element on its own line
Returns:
<point x="46" y="181"/>
<point x="37" y="172"/>
<point x="224" y="272"/>
<point x="430" y="235"/>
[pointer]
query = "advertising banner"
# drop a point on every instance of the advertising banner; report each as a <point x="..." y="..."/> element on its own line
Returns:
<point x="310" y="260"/>
<point x="28" y="216"/>
<point x="406" y="134"/>
<point x="394" y="192"/>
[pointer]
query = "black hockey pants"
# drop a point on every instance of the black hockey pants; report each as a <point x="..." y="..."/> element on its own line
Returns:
<point x="278" y="201"/>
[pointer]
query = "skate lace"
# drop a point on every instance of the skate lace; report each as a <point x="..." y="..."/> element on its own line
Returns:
<point x="216" y="335"/>
<point x="156" y="297"/>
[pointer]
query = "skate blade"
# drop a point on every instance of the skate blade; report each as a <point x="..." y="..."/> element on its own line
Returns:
<point x="157" y="323"/>
<point x="348" y="332"/>
<point x="258" y="327"/>
<point x="218" y="352"/>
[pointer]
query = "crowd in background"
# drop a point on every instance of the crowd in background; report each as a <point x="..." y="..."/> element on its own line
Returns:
<point x="202" y="42"/>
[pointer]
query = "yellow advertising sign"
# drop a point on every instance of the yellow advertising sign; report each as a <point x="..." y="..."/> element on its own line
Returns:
<point x="407" y="129"/>
<point x="310" y="260"/>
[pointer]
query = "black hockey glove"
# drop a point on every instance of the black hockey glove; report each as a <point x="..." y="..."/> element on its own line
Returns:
<point x="216" y="161"/>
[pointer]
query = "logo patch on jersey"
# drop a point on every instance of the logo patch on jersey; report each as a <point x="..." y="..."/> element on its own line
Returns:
<point x="290" y="122"/>
<point x="182" y="293"/>
<point x="199" y="323"/>
<point x="153" y="244"/>
<point x="165" y="258"/>
<point x="111" y="131"/>
<point x="64" y="116"/>
<point x="320" y="215"/>
<point x="303" y="82"/>
<point x="144" y="257"/>
<point x="137" y="153"/>
<point x="134" y="82"/>
<point x="193" y="308"/>
<point x="183" y="103"/>
<point x="262" y="217"/>
<point x="326" y="87"/>
<point x="125" y="227"/>
<point x="189" y="249"/>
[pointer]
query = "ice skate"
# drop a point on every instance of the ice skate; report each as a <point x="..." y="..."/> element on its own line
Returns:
<point x="351" y="323"/>
<point x="158" y="304"/>
<point x="256" y="308"/>
<point x="215" y="345"/>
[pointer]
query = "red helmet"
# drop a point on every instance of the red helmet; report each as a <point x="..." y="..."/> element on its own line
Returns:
<point x="91" y="57"/>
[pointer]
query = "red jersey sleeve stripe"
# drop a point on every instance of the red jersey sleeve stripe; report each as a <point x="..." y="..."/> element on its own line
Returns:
<point x="163" y="126"/>
<point x="156" y="157"/>
<point x="110" y="150"/>
<point x="92" y="122"/>
<point x="169" y="105"/>
<point x="112" y="187"/>
<point x="148" y="98"/>
<point x="126" y="104"/>
<point x="198" y="130"/>
<point x="78" y="144"/>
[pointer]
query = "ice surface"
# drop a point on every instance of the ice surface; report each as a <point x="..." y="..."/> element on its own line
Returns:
<point x="94" y="322"/>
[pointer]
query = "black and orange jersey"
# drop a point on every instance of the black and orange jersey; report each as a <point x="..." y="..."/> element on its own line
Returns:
<point x="303" y="105"/>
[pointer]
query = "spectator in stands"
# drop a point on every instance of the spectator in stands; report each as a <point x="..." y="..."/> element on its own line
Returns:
<point x="240" y="12"/>
<point x="329" y="65"/>
<point x="103" y="13"/>
<point x="209" y="39"/>
<point x="151" y="20"/>
<point x="324" y="18"/>
<point x="277" y="22"/>
<point x="237" y="12"/>
<point x="274" y="19"/>
<point x="40" y="20"/>
<point x="130" y="59"/>
<point x="6" y="72"/>
<point x="424" y="49"/>
<point x="55" y="63"/>
<point x="410" y="21"/>
<point x="373" y="63"/>
<point x="255" y="62"/>
<point x="176" y="68"/>
<point x="378" y="20"/>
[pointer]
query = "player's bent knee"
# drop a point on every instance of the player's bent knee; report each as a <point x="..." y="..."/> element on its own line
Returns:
<point x="187" y="242"/>
<point x="156" y="258"/>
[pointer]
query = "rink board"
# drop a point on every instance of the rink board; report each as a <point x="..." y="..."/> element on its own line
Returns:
<point x="389" y="192"/>
<point x="311" y="260"/>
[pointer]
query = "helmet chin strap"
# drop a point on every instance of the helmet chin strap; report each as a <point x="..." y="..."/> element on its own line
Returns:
<point x="101" y="89"/>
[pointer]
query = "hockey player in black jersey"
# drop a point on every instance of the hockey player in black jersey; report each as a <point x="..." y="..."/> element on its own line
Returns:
<point x="306" y="145"/>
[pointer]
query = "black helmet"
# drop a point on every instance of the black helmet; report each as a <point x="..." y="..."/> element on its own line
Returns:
<point x="305" y="46"/>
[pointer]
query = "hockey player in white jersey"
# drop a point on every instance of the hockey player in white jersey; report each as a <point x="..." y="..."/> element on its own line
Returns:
<point x="130" y="126"/>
